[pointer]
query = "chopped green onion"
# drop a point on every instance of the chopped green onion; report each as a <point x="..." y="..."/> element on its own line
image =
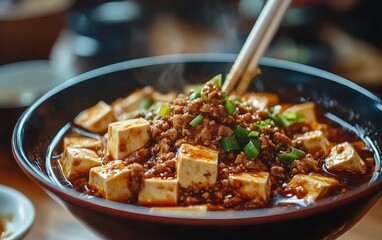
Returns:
<point x="294" y="154"/>
<point x="146" y="103"/>
<point x="196" y="93"/>
<point x="165" y="111"/>
<point x="196" y="121"/>
<point x="264" y="123"/>
<point x="250" y="151"/>
<point x="274" y="110"/>
<point x="253" y="134"/>
<point x="229" y="144"/>
<point x="203" y="95"/>
<point x="241" y="133"/>
<point x="255" y="142"/>
<point x="285" y="119"/>
<point x="229" y="106"/>
<point x="289" y="118"/>
<point x="294" y="116"/>
<point x="217" y="81"/>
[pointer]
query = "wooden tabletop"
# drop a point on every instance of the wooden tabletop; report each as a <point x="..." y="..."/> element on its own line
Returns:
<point x="53" y="221"/>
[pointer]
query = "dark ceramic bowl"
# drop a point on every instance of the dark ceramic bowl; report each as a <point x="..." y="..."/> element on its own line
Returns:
<point x="345" y="102"/>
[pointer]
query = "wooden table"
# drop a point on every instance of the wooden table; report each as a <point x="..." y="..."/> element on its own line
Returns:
<point x="53" y="221"/>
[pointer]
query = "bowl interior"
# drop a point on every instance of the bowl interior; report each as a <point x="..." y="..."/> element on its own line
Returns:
<point x="345" y="102"/>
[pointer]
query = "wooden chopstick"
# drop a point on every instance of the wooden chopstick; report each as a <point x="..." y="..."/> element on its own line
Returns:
<point x="246" y="65"/>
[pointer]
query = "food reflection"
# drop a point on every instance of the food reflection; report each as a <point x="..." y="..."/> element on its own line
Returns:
<point x="204" y="148"/>
<point x="3" y="225"/>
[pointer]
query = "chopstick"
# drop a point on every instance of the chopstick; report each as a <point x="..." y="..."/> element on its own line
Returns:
<point x="245" y="66"/>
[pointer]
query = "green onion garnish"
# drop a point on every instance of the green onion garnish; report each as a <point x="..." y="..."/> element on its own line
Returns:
<point x="196" y="93"/>
<point x="253" y="134"/>
<point x="294" y="154"/>
<point x="264" y="123"/>
<point x="229" y="144"/>
<point x="285" y="119"/>
<point x="229" y="106"/>
<point x="289" y="118"/>
<point x="146" y="103"/>
<point x="256" y="143"/>
<point x="196" y="121"/>
<point x="217" y="81"/>
<point x="251" y="151"/>
<point x="165" y="111"/>
<point x="241" y="133"/>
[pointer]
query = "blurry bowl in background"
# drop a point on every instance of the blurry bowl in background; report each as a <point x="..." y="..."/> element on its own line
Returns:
<point x="33" y="142"/>
<point x="16" y="214"/>
<point x="29" y="28"/>
<point x="20" y="84"/>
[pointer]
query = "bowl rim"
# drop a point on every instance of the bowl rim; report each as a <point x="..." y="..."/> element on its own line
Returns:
<point x="210" y="218"/>
<point x="24" y="206"/>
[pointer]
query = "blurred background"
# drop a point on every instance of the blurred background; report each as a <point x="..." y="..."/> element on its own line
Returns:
<point x="342" y="36"/>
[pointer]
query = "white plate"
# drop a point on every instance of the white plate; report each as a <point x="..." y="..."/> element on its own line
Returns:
<point x="16" y="213"/>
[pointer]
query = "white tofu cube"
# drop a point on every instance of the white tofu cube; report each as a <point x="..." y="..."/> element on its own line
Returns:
<point x="189" y="210"/>
<point x="112" y="180"/>
<point x="197" y="166"/>
<point x="77" y="161"/>
<point x="125" y="137"/>
<point x="97" y="118"/>
<point x="82" y="142"/>
<point x="168" y="97"/>
<point x="159" y="192"/>
<point x="343" y="157"/>
<point x="132" y="102"/>
<point x="261" y="100"/>
<point x="320" y="126"/>
<point x="312" y="187"/>
<point x="308" y="109"/>
<point x="314" y="141"/>
<point x="251" y="184"/>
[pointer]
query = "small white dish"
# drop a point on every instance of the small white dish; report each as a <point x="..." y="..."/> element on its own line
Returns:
<point x="16" y="214"/>
<point x="22" y="82"/>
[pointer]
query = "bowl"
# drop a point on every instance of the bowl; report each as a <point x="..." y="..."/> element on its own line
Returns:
<point x="29" y="29"/>
<point x="34" y="137"/>
<point x="20" y="84"/>
<point x="16" y="214"/>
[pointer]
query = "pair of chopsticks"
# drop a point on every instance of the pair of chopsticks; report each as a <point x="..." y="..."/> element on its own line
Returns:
<point x="246" y="64"/>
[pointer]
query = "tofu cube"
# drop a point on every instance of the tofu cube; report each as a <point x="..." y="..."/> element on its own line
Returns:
<point x="168" y="97"/>
<point x="82" y="142"/>
<point x="308" y="109"/>
<point x="261" y="100"/>
<point x="343" y="157"/>
<point x="159" y="192"/>
<point x="311" y="187"/>
<point x="96" y="119"/>
<point x="112" y="180"/>
<point x="314" y="141"/>
<point x="324" y="128"/>
<point x="196" y="166"/>
<point x="251" y="184"/>
<point x="132" y="102"/>
<point x="125" y="137"/>
<point x="77" y="161"/>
